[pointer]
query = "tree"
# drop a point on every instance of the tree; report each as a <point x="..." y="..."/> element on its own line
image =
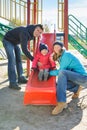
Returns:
<point x="46" y="28"/>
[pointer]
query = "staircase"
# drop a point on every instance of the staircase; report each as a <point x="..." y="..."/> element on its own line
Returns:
<point x="77" y="35"/>
<point x="3" y="30"/>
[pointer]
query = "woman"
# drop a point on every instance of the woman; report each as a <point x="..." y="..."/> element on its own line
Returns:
<point x="71" y="75"/>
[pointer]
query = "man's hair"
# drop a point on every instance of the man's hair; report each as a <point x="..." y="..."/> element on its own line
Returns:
<point x="39" y="25"/>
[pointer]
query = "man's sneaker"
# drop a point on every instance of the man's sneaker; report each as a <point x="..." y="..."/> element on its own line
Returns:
<point x="40" y="75"/>
<point x="14" y="86"/>
<point x="76" y="95"/>
<point x="46" y="74"/>
<point x="59" y="108"/>
<point x="22" y="80"/>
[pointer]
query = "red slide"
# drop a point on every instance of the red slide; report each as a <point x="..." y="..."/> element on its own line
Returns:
<point x="41" y="92"/>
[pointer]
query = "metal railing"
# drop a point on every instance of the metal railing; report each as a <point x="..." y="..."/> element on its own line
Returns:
<point x="77" y="30"/>
<point x="15" y="11"/>
<point x="77" y="35"/>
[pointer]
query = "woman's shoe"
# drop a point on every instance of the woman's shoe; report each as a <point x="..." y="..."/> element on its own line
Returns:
<point x="59" y="108"/>
<point x="76" y="95"/>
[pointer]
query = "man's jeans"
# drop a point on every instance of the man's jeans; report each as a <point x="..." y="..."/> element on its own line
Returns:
<point x="14" y="61"/>
<point x="69" y="80"/>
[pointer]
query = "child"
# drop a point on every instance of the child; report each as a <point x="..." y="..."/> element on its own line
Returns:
<point x="43" y="57"/>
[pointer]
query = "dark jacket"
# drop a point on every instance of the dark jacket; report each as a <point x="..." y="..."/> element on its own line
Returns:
<point x="21" y="35"/>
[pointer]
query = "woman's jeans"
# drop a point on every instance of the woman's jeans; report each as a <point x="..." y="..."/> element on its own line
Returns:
<point x="69" y="80"/>
<point x="14" y="61"/>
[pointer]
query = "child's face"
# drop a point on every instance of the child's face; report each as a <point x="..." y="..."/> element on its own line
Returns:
<point x="44" y="51"/>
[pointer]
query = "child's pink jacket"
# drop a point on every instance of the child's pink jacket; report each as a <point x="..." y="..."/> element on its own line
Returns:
<point x="46" y="60"/>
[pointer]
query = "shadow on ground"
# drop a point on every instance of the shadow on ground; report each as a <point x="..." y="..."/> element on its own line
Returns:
<point x="15" y="116"/>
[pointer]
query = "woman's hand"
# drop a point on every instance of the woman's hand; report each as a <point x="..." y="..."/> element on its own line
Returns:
<point x="54" y="72"/>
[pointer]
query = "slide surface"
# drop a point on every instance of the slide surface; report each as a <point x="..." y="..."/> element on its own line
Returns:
<point x="41" y="92"/>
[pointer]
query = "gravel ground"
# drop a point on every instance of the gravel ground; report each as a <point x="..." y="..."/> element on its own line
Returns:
<point x="15" y="116"/>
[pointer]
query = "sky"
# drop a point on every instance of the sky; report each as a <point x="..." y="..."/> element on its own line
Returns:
<point x="76" y="7"/>
<point x="79" y="9"/>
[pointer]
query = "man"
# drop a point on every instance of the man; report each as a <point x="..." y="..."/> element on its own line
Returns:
<point x="12" y="39"/>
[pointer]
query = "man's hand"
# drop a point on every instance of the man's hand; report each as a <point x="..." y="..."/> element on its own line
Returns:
<point x="34" y="69"/>
<point x="39" y="64"/>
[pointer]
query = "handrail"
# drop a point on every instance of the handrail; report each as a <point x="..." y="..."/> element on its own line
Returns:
<point x="5" y="28"/>
<point x="77" y="29"/>
<point x="82" y="49"/>
<point x="3" y="55"/>
<point x="72" y="16"/>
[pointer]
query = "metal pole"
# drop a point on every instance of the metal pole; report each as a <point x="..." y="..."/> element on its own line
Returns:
<point x="28" y="11"/>
<point x="35" y="11"/>
<point x="28" y="22"/>
<point x="66" y="24"/>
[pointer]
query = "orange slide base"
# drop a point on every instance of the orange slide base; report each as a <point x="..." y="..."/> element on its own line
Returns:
<point x="40" y="92"/>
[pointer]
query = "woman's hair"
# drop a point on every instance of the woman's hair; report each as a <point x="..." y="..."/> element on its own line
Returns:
<point x="58" y="43"/>
<point x="56" y="55"/>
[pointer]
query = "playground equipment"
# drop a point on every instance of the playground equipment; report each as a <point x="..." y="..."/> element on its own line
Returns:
<point x="3" y="30"/>
<point x="41" y="92"/>
<point x="2" y="54"/>
<point x="18" y="11"/>
<point x="22" y="12"/>
<point x="63" y="16"/>
<point x="77" y="35"/>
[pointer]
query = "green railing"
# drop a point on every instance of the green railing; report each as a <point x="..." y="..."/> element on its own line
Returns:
<point x="77" y="46"/>
<point x="3" y="30"/>
<point x="77" y="35"/>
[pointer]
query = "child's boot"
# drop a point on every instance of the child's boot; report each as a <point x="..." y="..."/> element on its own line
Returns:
<point x="46" y="74"/>
<point x="40" y="75"/>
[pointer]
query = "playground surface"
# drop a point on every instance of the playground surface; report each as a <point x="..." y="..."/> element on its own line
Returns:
<point x="15" y="116"/>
